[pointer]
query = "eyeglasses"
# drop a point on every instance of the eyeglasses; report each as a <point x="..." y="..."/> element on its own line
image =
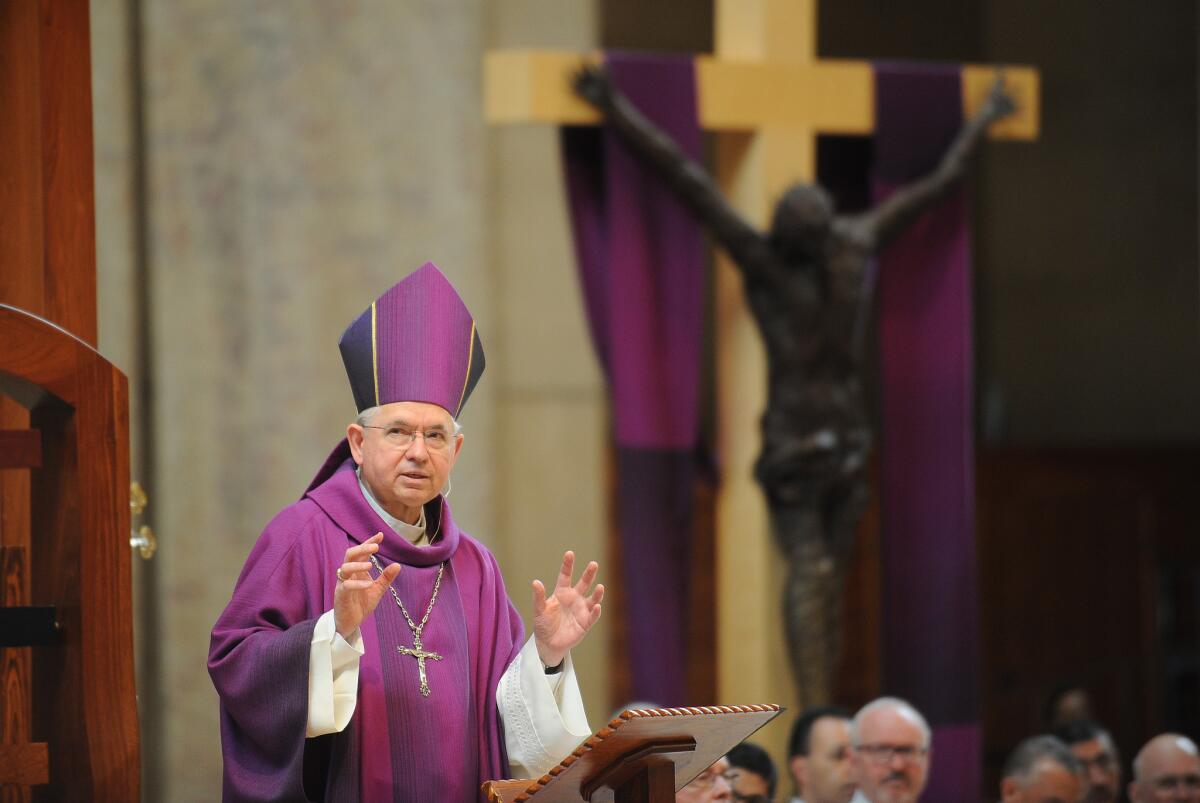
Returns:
<point x="436" y="440"/>
<point x="884" y="753"/>
<point x="1101" y="761"/>
<point x="707" y="779"/>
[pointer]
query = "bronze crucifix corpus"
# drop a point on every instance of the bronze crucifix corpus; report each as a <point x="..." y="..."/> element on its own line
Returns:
<point x="420" y="654"/>
<point x="766" y="96"/>
<point x="805" y="280"/>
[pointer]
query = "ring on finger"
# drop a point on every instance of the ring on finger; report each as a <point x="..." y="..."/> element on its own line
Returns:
<point x="341" y="578"/>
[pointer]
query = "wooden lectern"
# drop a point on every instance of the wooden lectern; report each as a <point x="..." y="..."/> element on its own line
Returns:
<point x="642" y="756"/>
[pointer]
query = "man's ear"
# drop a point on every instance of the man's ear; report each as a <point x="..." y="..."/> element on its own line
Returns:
<point x="1009" y="790"/>
<point x="354" y="436"/>
<point x="799" y="768"/>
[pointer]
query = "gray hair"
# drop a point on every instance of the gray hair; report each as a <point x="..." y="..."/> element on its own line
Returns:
<point x="1025" y="757"/>
<point x="902" y="707"/>
<point x="368" y="415"/>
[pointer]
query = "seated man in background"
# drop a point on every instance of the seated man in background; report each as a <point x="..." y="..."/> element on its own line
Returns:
<point x="1166" y="769"/>
<point x="1097" y="754"/>
<point x="709" y="786"/>
<point x="751" y="773"/>
<point x="1068" y="703"/>
<point x="890" y="742"/>
<point x="1041" y="769"/>
<point x="819" y="756"/>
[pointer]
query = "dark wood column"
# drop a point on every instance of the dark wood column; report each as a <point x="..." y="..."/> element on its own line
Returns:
<point x="68" y="727"/>
<point x="47" y="204"/>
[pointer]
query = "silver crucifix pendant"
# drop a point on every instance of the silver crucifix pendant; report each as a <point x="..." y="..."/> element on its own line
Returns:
<point x="420" y="655"/>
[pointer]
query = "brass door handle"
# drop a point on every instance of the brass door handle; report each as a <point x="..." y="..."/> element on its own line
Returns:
<point x="142" y="539"/>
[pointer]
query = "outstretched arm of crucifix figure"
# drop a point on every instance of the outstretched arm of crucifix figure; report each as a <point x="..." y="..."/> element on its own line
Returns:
<point x="690" y="182"/>
<point x="885" y="221"/>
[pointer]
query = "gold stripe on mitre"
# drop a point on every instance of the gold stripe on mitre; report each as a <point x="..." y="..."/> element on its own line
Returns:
<point x="374" y="355"/>
<point x="467" y="378"/>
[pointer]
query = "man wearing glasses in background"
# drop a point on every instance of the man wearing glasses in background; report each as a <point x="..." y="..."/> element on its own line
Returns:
<point x="890" y="761"/>
<point x="709" y="786"/>
<point x="1098" y="756"/>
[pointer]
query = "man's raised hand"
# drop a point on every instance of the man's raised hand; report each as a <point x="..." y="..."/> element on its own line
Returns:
<point x="561" y="620"/>
<point x="357" y="592"/>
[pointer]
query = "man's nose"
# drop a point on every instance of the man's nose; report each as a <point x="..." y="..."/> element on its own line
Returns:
<point x="417" y="450"/>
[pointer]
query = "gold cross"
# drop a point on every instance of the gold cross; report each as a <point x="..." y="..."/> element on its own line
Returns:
<point x="420" y="654"/>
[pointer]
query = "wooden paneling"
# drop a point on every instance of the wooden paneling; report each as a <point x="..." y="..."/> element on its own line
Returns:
<point x="47" y="206"/>
<point x="68" y="176"/>
<point x="20" y="448"/>
<point x="22" y="279"/>
<point x="1071" y="548"/>
<point x="23" y="764"/>
<point x="18" y="766"/>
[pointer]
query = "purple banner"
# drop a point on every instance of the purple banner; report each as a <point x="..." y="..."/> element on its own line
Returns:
<point x="641" y="265"/>
<point x="927" y="451"/>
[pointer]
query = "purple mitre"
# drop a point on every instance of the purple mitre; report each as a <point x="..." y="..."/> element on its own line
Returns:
<point x="416" y="342"/>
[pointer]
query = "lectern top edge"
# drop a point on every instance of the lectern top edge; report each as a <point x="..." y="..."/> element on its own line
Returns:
<point x="631" y="739"/>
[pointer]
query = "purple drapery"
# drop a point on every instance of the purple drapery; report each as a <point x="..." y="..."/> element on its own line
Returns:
<point x="641" y="265"/>
<point x="927" y="476"/>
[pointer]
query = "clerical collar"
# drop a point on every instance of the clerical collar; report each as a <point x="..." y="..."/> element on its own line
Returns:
<point x="413" y="533"/>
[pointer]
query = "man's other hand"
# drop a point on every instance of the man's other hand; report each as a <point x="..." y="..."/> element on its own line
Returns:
<point x="563" y="619"/>
<point x="357" y="593"/>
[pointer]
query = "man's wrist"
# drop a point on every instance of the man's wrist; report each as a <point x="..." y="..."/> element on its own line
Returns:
<point x="549" y="659"/>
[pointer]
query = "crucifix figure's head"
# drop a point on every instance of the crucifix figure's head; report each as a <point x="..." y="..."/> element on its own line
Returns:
<point x="801" y="222"/>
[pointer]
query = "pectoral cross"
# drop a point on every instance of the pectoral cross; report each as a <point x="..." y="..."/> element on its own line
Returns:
<point x="420" y="654"/>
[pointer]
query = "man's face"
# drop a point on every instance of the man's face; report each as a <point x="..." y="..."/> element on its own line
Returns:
<point x="708" y="786"/>
<point x="747" y="785"/>
<point x="404" y="476"/>
<point x="1170" y="774"/>
<point x="1101" y="770"/>
<point x="1050" y="782"/>
<point x="824" y="776"/>
<point x="891" y="761"/>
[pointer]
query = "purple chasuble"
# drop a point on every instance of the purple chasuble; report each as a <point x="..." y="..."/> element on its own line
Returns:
<point x="927" y="468"/>
<point x="641" y="264"/>
<point x="399" y="745"/>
